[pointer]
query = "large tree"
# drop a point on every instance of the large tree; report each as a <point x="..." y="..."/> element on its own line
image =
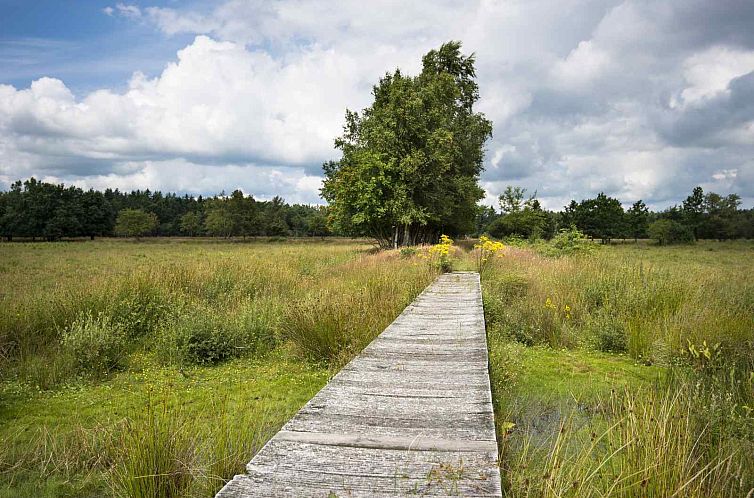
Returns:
<point x="411" y="161"/>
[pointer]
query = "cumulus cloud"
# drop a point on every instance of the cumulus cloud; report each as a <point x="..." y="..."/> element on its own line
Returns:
<point x="216" y="101"/>
<point x="708" y="73"/>
<point x="636" y="98"/>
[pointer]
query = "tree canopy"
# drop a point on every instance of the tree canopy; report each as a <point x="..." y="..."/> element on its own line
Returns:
<point x="37" y="209"/>
<point x="411" y="161"/>
<point x="135" y="223"/>
<point x="524" y="218"/>
<point x="701" y="216"/>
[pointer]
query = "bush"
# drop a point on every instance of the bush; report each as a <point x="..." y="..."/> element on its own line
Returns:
<point x="201" y="337"/>
<point x="568" y="241"/>
<point x="670" y="232"/>
<point x="407" y="252"/>
<point x="138" y="306"/>
<point x="610" y="334"/>
<point x="527" y="223"/>
<point x="199" y="340"/>
<point x="96" y="344"/>
<point x="255" y="327"/>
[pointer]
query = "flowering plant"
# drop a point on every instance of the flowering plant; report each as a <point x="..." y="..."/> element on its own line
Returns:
<point x="487" y="248"/>
<point x="439" y="254"/>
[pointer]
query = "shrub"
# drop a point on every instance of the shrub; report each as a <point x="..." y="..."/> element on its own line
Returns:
<point x="407" y="252"/>
<point x="96" y="344"/>
<point x="138" y="306"/>
<point x="255" y="327"/>
<point x="568" y="241"/>
<point x="527" y="223"/>
<point x="201" y="337"/>
<point x="197" y="339"/>
<point x="670" y="232"/>
<point x="610" y="334"/>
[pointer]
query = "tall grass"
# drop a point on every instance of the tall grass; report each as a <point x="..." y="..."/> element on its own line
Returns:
<point x="648" y="443"/>
<point x="334" y="322"/>
<point x="618" y="302"/>
<point x="167" y="451"/>
<point x="189" y="305"/>
<point x="146" y="294"/>
<point x="680" y="309"/>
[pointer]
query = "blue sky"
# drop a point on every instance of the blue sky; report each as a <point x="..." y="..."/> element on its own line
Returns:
<point x="78" y="43"/>
<point x="636" y="98"/>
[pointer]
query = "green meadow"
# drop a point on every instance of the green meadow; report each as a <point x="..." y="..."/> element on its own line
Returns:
<point x="159" y="368"/>
<point x="624" y="370"/>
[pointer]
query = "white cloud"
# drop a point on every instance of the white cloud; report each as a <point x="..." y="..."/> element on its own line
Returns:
<point x="584" y="64"/>
<point x="131" y="11"/>
<point x="708" y="73"/>
<point x="217" y="100"/>
<point x="171" y="22"/>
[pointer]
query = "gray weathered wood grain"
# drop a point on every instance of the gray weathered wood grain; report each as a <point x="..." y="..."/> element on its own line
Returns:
<point x="411" y="415"/>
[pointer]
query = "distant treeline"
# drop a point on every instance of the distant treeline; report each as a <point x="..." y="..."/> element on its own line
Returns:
<point x="39" y="210"/>
<point x="34" y="209"/>
<point x="701" y="216"/>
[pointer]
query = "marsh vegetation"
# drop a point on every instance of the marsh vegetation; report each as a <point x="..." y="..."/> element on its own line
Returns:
<point x="625" y="371"/>
<point x="159" y="368"/>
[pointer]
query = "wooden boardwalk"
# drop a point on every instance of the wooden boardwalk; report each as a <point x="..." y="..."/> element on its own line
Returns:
<point x="410" y="416"/>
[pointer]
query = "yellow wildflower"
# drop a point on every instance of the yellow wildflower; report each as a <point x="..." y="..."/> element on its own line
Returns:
<point x="487" y="249"/>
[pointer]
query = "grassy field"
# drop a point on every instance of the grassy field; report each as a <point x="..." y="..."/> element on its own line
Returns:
<point x="618" y="371"/>
<point x="173" y="360"/>
<point x="625" y="371"/>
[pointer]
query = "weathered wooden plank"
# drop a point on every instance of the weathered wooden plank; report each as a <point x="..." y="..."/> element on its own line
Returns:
<point x="412" y="414"/>
<point x="293" y="468"/>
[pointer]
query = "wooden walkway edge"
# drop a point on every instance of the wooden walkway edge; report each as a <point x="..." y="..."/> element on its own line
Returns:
<point x="410" y="416"/>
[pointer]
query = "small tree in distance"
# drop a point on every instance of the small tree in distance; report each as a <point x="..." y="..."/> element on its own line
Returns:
<point x="218" y="222"/>
<point x="637" y="219"/>
<point x="135" y="223"/>
<point x="670" y="232"/>
<point x="191" y="223"/>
